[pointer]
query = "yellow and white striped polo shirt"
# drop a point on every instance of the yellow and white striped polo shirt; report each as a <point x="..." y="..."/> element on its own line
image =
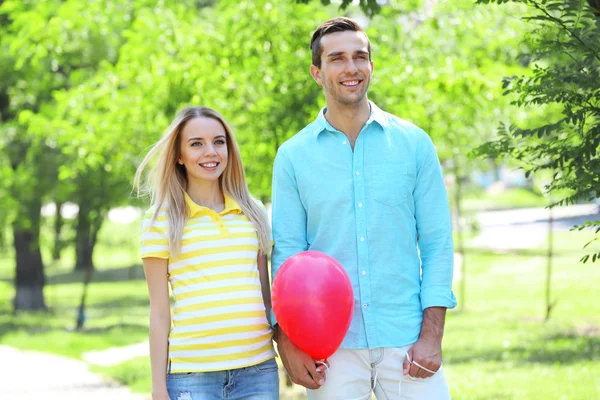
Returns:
<point x="218" y="319"/>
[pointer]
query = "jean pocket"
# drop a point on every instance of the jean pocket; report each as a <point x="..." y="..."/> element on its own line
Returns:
<point x="266" y="366"/>
<point x="390" y="183"/>
<point x="180" y="375"/>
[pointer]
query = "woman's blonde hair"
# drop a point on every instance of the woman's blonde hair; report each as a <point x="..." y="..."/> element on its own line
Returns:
<point x="167" y="180"/>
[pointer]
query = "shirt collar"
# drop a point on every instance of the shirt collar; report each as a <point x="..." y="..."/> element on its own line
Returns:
<point x="230" y="206"/>
<point x="377" y="115"/>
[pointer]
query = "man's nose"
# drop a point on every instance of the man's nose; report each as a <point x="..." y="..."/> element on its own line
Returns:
<point x="351" y="66"/>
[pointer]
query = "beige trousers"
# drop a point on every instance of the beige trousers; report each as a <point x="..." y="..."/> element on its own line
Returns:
<point x="357" y="374"/>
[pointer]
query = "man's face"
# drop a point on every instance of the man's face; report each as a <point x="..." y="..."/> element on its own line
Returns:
<point x="345" y="71"/>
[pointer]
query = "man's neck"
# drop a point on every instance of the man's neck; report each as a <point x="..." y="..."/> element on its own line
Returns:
<point x="348" y="119"/>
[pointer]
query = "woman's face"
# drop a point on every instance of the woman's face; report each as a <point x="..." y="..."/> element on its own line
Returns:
<point x="203" y="149"/>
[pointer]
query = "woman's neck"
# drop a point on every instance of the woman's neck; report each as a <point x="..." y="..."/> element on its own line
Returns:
<point x="206" y="194"/>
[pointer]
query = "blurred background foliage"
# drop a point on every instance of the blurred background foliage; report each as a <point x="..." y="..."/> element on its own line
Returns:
<point x="87" y="86"/>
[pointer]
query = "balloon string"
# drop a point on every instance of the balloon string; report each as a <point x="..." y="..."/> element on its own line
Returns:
<point x="374" y="381"/>
<point x="322" y="362"/>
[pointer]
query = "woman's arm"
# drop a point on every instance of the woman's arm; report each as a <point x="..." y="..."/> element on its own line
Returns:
<point x="264" y="283"/>
<point x="160" y="323"/>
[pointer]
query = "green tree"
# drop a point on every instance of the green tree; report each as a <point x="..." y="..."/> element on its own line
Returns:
<point x="564" y="39"/>
<point x="369" y="7"/>
<point x="49" y="47"/>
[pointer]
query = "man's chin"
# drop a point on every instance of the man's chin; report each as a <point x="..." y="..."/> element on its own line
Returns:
<point x="354" y="100"/>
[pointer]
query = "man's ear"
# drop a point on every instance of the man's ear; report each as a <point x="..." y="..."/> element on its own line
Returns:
<point x="315" y="72"/>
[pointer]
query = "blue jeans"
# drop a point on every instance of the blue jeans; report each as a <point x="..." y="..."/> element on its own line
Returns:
<point x="257" y="382"/>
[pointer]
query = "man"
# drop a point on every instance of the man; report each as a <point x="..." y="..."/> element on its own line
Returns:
<point x="366" y="188"/>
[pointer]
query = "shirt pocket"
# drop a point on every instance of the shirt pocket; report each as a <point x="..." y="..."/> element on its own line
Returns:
<point x="391" y="183"/>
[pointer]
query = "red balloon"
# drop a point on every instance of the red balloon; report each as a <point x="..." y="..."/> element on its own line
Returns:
<point x="313" y="301"/>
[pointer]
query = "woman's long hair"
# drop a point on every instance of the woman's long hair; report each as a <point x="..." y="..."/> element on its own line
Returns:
<point x="167" y="180"/>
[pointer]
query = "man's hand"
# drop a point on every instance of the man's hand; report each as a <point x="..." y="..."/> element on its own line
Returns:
<point x="424" y="355"/>
<point x="424" y="358"/>
<point x="300" y="366"/>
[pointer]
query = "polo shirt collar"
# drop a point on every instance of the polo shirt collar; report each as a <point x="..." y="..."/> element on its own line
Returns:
<point x="230" y="206"/>
<point x="377" y="115"/>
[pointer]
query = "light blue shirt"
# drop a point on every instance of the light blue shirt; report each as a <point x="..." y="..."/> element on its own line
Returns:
<point x="381" y="210"/>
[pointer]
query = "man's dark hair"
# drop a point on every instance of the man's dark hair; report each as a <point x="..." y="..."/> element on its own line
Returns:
<point x="333" y="25"/>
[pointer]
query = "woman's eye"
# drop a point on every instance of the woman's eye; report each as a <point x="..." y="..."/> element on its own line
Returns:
<point x="196" y="144"/>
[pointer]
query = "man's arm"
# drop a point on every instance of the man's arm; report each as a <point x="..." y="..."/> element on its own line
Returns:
<point x="424" y="358"/>
<point x="434" y="229"/>
<point x="289" y="237"/>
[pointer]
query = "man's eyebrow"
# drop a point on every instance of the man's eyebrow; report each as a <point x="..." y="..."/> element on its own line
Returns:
<point x="335" y="53"/>
<point x="339" y="53"/>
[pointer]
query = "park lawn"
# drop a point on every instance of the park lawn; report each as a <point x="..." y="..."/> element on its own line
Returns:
<point x="498" y="347"/>
<point x="117" y="299"/>
<point x="116" y="315"/>
<point x="478" y="199"/>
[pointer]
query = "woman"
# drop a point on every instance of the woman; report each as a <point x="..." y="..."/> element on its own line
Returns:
<point x="206" y="237"/>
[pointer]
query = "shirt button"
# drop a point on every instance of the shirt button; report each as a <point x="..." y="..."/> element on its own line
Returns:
<point x="360" y="205"/>
<point x="357" y="172"/>
<point x="365" y="305"/>
<point x="344" y="142"/>
<point x="364" y="273"/>
<point x="362" y="239"/>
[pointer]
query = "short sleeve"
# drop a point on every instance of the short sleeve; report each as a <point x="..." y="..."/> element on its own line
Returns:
<point x="154" y="237"/>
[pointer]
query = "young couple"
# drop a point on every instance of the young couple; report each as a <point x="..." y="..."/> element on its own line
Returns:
<point x="358" y="184"/>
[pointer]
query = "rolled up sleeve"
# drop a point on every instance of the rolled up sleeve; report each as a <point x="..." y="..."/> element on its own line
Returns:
<point x="434" y="229"/>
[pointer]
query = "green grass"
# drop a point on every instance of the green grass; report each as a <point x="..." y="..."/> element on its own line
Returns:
<point x="479" y="199"/>
<point x="497" y="347"/>
<point x="116" y="306"/>
<point x="116" y="315"/>
<point x="134" y="373"/>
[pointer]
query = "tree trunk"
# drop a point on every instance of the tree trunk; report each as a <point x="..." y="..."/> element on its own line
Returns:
<point x="29" y="278"/>
<point x="549" y="303"/>
<point x="88" y="226"/>
<point x="58" y="242"/>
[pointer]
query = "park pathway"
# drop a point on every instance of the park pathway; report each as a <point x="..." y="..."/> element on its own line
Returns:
<point x="29" y="375"/>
